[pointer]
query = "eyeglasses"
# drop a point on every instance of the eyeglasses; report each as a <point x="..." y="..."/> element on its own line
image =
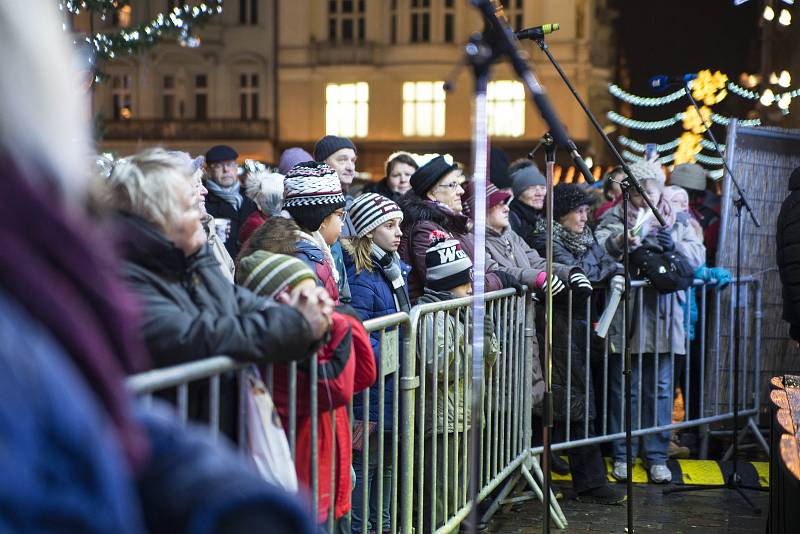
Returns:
<point x="224" y="164"/>
<point x="451" y="185"/>
<point x="341" y="214"/>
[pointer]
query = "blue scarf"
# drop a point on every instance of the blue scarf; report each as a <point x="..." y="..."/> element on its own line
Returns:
<point x="228" y="194"/>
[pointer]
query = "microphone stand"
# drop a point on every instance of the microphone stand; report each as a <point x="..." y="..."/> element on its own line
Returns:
<point x="547" y="406"/>
<point x="626" y="184"/>
<point x="734" y="481"/>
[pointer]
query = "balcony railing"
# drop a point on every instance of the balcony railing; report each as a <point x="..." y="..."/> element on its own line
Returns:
<point x="156" y="129"/>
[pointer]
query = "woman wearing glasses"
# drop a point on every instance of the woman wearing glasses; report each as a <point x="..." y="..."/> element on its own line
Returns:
<point x="431" y="207"/>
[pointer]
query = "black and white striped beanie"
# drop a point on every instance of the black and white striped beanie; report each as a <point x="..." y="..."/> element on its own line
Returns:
<point x="312" y="192"/>
<point x="448" y="266"/>
<point x="370" y="210"/>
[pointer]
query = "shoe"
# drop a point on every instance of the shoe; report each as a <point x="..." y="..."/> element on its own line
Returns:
<point x="602" y="495"/>
<point x="676" y="450"/>
<point x="620" y="471"/>
<point x="660" y="474"/>
<point x="558" y="465"/>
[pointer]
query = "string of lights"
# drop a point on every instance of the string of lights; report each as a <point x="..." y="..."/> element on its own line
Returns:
<point x="621" y="120"/>
<point x="643" y="101"/>
<point x="639" y="147"/>
<point x="631" y="157"/>
<point x="100" y="7"/>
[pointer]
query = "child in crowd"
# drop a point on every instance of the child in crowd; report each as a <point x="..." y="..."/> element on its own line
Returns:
<point x="378" y="280"/>
<point x="344" y="365"/>
<point x="446" y="357"/>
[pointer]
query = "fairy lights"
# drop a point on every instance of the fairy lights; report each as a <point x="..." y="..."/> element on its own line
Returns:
<point x="616" y="91"/>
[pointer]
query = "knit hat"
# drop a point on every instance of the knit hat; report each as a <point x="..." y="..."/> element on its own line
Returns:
<point x="426" y="176"/>
<point x="268" y="274"/>
<point x="689" y="176"/>
<point x="448" y="266"/>
<point x="219" y="153"/>
<point x="526" y="177"/>
<point x="649" y="170"/>
<point x="330" y="144"/>
<point x="312" y="192"/>
<point x="371" y="210"/>
<point x="498" y="169"/>
<point x="493" y="196"/>
<point x="291" y="157"/>
<point x="567" y="197"/>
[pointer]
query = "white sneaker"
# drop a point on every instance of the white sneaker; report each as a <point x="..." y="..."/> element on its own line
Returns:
<point x="620" y="471"/>
<point x="660" y="474"/>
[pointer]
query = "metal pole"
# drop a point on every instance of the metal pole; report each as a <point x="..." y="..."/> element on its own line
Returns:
<point x="547" y="407"/>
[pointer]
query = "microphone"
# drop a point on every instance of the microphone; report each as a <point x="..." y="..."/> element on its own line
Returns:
<point x="537" y="32"/>
<point x="579" y="163"/>
<point x="661" y="82"/>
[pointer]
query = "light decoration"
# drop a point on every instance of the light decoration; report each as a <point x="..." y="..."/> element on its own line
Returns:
<point x="709" y="88"/>
<point x="693" y="122"/>
<point x="631" y="157"/>
<point x="616" y="91"/>
<point x="643" y="125"/>
<point x="177" y="23"/>
<point x="785" y="17"/>
<point x="639" y="147"/>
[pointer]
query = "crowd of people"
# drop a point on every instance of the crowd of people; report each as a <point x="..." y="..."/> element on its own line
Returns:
<point x="183" y="258"/>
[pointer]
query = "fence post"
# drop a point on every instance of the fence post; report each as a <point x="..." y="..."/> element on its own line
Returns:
<point x="408" y="383"/>
<point x="527" y="385"/>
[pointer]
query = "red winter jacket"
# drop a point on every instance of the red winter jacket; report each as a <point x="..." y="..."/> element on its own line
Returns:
<point x="251" y="224"/>
<point x="314" y="258"/>
<point x="345" y="364"/>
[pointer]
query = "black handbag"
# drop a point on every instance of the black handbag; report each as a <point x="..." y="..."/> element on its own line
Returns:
<point x="667" y="271"/>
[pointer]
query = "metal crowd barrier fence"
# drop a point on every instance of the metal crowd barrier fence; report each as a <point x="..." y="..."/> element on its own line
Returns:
<point x="414" y="454"/>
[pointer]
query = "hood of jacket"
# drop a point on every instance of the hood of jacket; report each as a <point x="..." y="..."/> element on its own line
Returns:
<point x="416" y="209"/>
<point x="311" y="251"/>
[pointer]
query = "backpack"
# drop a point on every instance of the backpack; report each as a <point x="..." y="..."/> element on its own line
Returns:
<point x="667" y="272"/>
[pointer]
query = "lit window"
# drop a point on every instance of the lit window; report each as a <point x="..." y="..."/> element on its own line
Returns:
<point x="506" y="108"/>
<point x="121" y="18"/>
<point x="347" y="109"/>
<point x="346" y="20"/>
<point x="121" y="96"/>
<point x="423" y="109"/>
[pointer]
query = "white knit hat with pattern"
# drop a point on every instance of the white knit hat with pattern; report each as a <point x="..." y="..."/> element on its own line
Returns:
<point x="370" y="210"/>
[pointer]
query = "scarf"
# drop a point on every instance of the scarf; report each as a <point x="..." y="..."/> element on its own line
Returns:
<point x="316" y="239"/>
<point x="577" y="244"/>
<point x="63" y="272"/>
<point x="228" y="194"/>
<point x="389" y="263"/>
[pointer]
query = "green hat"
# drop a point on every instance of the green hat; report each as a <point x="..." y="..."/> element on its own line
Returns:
<point x="267" y="274"/>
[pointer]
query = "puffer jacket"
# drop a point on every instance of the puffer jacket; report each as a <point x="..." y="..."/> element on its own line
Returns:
<point x="420" y="219"/>
<point x="191" y="312"/>
<point x="314" y="258"/>
<point x="459" y="372"/>
<point x="345" y="365"/>
<point x="523" y="220"/>
<point x="372" y="297"/>
<point x="788" y="255"/>
<point x="668" y="309"/>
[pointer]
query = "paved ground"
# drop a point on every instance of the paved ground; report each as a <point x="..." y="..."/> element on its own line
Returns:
<point x="715" y="511"/>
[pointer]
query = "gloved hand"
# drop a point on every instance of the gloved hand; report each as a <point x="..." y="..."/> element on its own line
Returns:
<point x="580" y="285"/>
<point x="542" y="282"/>
<point x="617" y="283"/>
<point x="510" y="281"/>
<point x="664" y="238"/>
<point x="722" y="276"/>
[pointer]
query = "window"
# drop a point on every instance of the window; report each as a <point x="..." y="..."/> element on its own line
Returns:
<point x="121" y="96"/>
<point x="506" y="108"/>
<point x="121" y="18"/>
<point x="248" y="96"/>
<point x="393" y="22"/>
<point x="423" y="109"/>
<point x="449" y="21"/>
<point x="513" y="10"/>
<point x="347" y="109"/>
<point x="201" y="97"/>
<point x="346" y="20"/>
<point x="420" y="21"/>
<point x="248" y="12"/>
<point x="168" y="97"/>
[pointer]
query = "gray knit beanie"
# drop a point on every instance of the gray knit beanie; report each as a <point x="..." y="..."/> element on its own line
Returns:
<point x="526" y="177"/>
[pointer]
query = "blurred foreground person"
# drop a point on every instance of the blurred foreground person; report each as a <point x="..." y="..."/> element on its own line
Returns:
<point x="788" y="259"/>
<point x="77" y="455"/>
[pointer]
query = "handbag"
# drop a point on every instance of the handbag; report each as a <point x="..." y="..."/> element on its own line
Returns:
<point x="266" y="440"/>
<point x="667" y="271"/>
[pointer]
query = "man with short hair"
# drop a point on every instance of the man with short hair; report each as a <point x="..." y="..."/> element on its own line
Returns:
<point x="340" y="154"/>
<point x="225" y="202"/>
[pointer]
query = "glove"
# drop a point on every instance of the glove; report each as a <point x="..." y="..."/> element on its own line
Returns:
<point x="555" y="282"/>
<point x="664" y="238"/>
<point x="580" y="285"/>
<point x="617" y="283"/>
<point x="510" y="281"/>
<point x="722" y="276"/>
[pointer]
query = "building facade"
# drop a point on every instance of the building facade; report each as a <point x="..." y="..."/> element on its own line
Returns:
<point x="271" y="74"/>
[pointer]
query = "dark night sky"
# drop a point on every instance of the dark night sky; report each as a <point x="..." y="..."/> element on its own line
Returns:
<point x="682" y="36"/>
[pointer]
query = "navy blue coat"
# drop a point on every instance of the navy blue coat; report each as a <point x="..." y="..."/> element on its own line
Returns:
<point x="372" y="297"/>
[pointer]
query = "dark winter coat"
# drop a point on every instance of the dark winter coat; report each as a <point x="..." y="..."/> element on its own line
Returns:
<point x="372" y="297"/>
<point x="190" y="311"/>
<point x="420" y="219"/>
<point x="523" y="220"/>
<point x="220" y="209"/>
<point x="345" y="364"/>
<point x="788" y="255"/>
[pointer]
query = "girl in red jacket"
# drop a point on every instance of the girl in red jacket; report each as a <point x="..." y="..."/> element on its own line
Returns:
<point x="345" y="364"/>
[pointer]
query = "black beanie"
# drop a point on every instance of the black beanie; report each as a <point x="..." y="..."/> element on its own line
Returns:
<point x="330" y="144"/>
<point x="429" y="174"/>
<point x="567" y="197"/>
<point x="498" y="169"/>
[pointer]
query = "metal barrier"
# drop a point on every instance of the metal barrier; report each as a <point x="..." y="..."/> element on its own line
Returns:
<point x="417" y="452"/>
